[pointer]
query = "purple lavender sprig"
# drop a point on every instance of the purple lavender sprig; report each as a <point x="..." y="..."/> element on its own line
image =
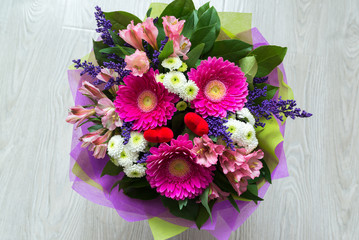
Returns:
<point x="156" y="54"/>
<point x="103" y="26"/>
<point x="88" y="67"/>
<point x="218" y="129"/>
<point x="126" y="131"/>
<point x="144" y="157"/>
<point x="272" y="107"/>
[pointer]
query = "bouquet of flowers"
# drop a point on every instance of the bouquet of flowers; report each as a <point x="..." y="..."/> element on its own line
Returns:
<point x="179" y="118"/>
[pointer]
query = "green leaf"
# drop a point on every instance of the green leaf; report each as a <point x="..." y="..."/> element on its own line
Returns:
<point x="251" y="193"/>
<point x="249" y="66"/>
<point x="189" y="212"/>
<point x="231" y="50"/>
<point x="148" y="13"/>
<point x="126" y="50"/>
<point x="167" y="51"/>
<point x="190" y="24"/>
<point x="115" y="50"/>
<point x="143" y="193"/>
<point x="194" y="55"/>
<point x="182" y="203"/>
<point x="116" y="39"/>
<point x="206" y="35"/>
<point x="204" y="201"/>
<point x="95" y="127"/>
<point x="208" y="18"/>
<point x="268" y="57"/>
<point x="178" y="8"/>
<point x="111" y="169"/>
<point x="120" y="19"/>
<point x="178" y="124"/>
<point x="266" y="172"/>
<point x="222" y="182"/>
<point x="203" y="215"/>
<point x="233" y="202"/>
<point x="202" y="9"/>
<point x="100" y="57"/>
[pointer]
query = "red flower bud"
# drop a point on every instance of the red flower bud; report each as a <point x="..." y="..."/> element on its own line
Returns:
<point x="196" y="123"/>
<point x="158" y="135"/>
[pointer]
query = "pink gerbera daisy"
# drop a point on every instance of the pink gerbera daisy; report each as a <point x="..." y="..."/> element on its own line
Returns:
<point x="222" y="87"/>
<point x="145" y="102"/>
<point x="173" y="171"/>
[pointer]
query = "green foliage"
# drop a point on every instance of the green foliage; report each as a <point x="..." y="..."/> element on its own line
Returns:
<point x="194" y="55"/>
<point x="202" y="9"/>
<point x="233" y="202"/>
<point x="100" y="57"/>
<point x="222" y="182"/>
<point x="167" y="51"/>
<point x="178" y="8"/>
<point x="119" y="51"/>
<point x="204" y="201"/>
<point x="268" y="57"/>
<point x="182" y="203"/>
<point x="120" y="19"/>
<point x="190" y="24"/>
<point x="95" y="127"/>
<point x="203" y="215"/>
<point x="138" y="188"/>
<point x="116" y="39"/>
<point x="189" y="212"/>
<point x="111" y="169"/>
<point x="148" y="13"/>
<point x="265" y="172"/>
<point x="177" y="124"/>
<point x="251" y="193"/>
<point x="206" y="35"/>
<point x="249" y="66"/>
<point x="208" y="18"/>
<point x="231" y="50"/>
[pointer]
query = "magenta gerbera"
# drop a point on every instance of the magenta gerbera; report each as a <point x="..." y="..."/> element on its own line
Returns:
<point x="145" y="102"/>
<point x="172" y="170"/>
<point x="222" y="87"/>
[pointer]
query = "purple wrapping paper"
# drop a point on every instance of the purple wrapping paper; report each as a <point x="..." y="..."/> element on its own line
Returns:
<point x="90" y="185"/>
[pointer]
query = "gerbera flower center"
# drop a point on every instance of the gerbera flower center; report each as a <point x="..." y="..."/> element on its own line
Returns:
<point x="215" y="91"/>
<point x="178" y="167"/>
<point x="147" y="101"/>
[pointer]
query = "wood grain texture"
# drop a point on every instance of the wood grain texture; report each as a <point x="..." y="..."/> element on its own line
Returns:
<point x="319" y="200"/>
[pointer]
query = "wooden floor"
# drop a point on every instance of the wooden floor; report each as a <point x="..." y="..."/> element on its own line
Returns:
<point x="38" y="40"/>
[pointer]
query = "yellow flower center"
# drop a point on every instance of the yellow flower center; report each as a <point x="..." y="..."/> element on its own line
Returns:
<point x="215" y="90"/>
<point x="147" y="101"/>
<point x="178" y="167"/>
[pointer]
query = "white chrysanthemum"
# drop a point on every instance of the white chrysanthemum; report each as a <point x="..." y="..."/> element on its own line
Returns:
<point x="160" y="77"/>
<point x="174" y="82"/>
<point x="127" y="157"/>
<point x="189" y="91"/>
<point x="172" y="63"/>
<point x="243" y="134"/>
<point x="137" y="142"/>
<point x="244" y="113"/>
<point x="135" y="171"/>
<point x="115" y="146"/>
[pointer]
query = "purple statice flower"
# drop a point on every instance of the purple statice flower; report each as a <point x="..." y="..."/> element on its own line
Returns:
<point x="103" y="26"/>
<point x="126" y="131"/>
<point x="144" y="157"/>
<point x="156" y="54"/>
<point x="272" y="107"/>
<point x="88" y="67"/>
<point x="218" y="129"/>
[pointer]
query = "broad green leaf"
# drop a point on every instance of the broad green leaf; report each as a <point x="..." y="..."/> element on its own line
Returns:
<point x="190" y="24"/>
<point x="233" y="202"/>
<point x="251" y="193"/>
<point x="126" y="50"/>
<point x="182" y="203"/>
<point x="268" y="57"/>
<point x="208" y="18"/>
<point x="249" y="66"/>
<point x="231" y="50"/>
<point x="111" y="169"/>
<point x="189" y="212"/>
<point x="266" y="172"/>
<point x="202" y="9"/>
<point x="203" y="215"/>
<point x="204" y="201"/>
<point x="120" y="19"/>
<point x="114" y="50"/>
<point x="178" y="8"/>
<point x="148" y="13"/>
<point x="100" y="57"/>
<point x="206" y="35"/>
<point x="116" y="39"/>
<point x="167" y="51"/>
<point x="222" y="182"/>
<point x="194" y="55"/>
<point x="95" y="128"/>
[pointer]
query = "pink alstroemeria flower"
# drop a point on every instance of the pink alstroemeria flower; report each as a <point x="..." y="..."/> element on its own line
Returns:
<point x="240" y="185"/>
<point x="91" y="91"/>
<point x="99" y="151"/>
<point x="149" y="33"/>
<point x="172" y="26"/>
<point x="253" y="164"/>
<point x="206" y="150"/>
<point x="216" y="192"/>
<point x="79" y="114"/>
<point x="230" y="160"/>
<point x="138" y="63"/>
<point x="181" y="46"/>
<point x="95" y="141"/>
<point x="132" y="34"/>
<point x="110" y="119"/>
<point x="106" y="74"/>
